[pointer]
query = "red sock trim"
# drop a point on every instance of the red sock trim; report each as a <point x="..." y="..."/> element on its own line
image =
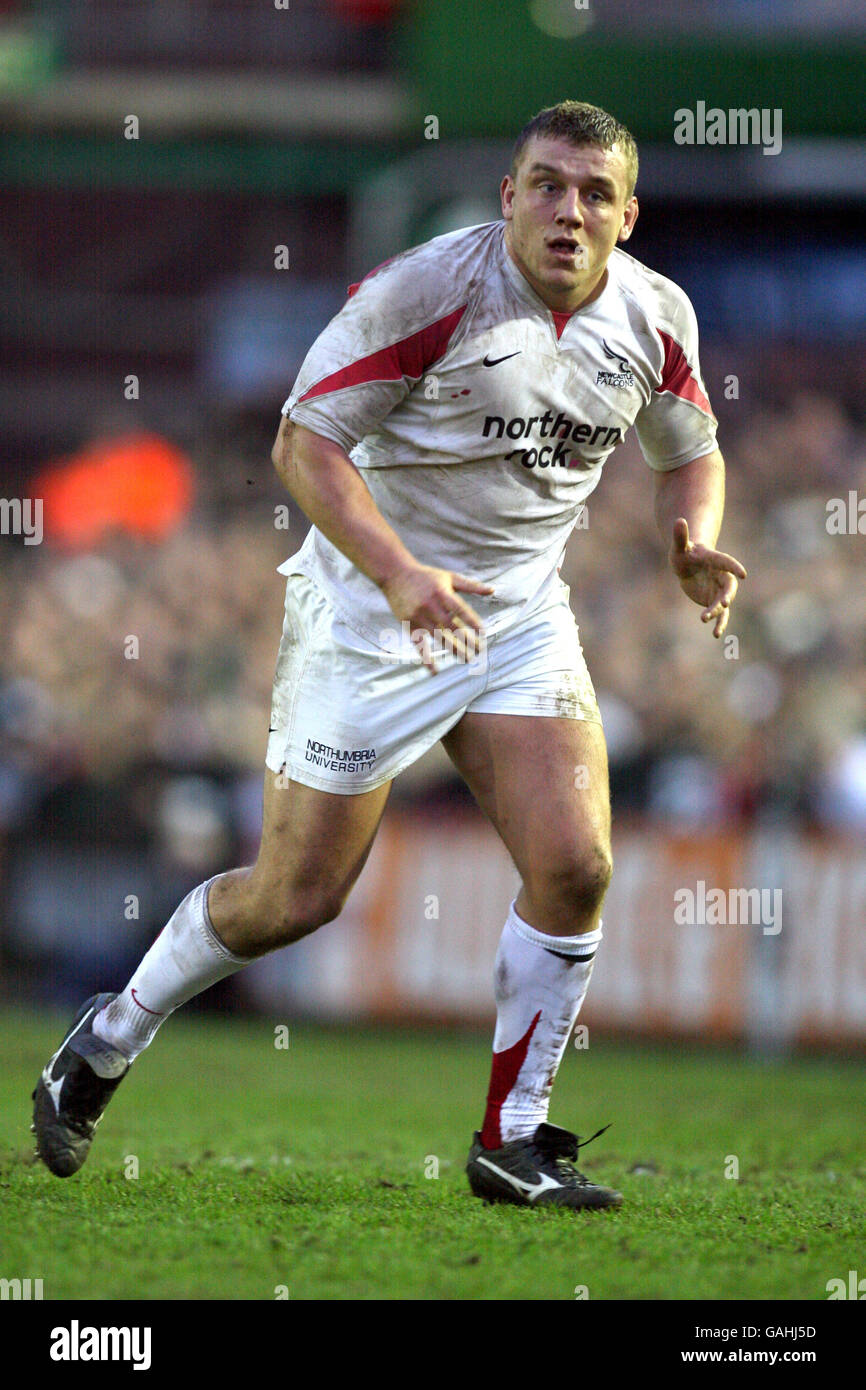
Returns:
<point x="505" y="1071"/>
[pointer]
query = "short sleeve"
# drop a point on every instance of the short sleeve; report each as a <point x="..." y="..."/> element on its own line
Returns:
<point x="393" y="327"/>
<point x="677" y="424"/>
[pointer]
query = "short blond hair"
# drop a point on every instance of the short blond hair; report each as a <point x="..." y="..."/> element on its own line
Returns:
<point x="581" y="124"/>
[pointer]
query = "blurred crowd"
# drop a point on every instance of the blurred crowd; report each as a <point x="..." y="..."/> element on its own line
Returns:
<point x="140" y="665"/>
<point x="771" y="719"/>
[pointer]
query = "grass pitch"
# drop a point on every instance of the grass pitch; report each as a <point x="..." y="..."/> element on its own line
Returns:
<point x="309" y="1172"/>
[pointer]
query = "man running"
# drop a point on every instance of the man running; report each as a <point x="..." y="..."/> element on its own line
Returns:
<point x="442" y="437"/>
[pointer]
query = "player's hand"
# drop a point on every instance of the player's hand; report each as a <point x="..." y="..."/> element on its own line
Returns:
<point x="709" y="577"/>
<point x="428" y="599"/>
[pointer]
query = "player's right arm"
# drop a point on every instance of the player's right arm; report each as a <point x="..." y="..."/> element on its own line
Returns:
<point x="329" y="489"/>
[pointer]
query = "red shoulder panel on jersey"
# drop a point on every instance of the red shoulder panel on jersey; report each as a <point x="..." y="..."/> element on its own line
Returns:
<point x="410" y="357"/>
<point x="677" y="375"/>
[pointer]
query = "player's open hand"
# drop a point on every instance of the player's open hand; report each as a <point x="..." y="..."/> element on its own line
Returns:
<point x="709" y="577"/>
<point x="428" y="599"/>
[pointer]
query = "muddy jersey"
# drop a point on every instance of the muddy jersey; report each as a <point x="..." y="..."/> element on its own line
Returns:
<point x="481" y="420"/>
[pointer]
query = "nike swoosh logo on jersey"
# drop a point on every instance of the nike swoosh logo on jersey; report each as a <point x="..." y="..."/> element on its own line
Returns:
<point x="494" y="361"/>
<point x="532" y="1189"/>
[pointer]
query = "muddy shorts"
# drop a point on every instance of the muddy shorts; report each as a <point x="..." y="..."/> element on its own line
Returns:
<point x="348" y="715"/>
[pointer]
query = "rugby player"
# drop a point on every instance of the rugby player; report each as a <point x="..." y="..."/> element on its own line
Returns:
<point x="442" y="437"/>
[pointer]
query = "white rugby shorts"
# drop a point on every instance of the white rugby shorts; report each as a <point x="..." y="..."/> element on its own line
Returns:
<point x="347" y="715"/>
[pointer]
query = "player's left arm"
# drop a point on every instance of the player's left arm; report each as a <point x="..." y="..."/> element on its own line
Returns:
<point x="689" y="506"/>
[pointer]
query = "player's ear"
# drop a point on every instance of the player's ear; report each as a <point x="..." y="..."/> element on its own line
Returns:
<point x="506" y="194"/>
<point x="629" y="219"/>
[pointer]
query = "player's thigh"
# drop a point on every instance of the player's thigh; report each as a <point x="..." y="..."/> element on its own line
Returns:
<point x="544" y="783"/>
<point x="314" y="843"/>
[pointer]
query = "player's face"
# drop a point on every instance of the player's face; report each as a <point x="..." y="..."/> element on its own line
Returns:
<point x="564" y="212"/>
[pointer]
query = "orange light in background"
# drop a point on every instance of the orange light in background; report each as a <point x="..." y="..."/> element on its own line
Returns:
<point x="139" y="483"/>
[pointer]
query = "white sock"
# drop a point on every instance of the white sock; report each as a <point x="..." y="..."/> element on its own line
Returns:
<point x="185" y="959"/>
<point x="540" y="984"/>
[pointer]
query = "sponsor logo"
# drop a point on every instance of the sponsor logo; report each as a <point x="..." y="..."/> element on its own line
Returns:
<point x="559" y="427"/>
<point x="494" y="361"/>
<point x="530" y="1189"/>
<point x="622" y="378"/>
<point x="339" y="759"/>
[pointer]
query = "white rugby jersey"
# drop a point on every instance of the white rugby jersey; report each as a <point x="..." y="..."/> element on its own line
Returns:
<point x="480" y="419"/>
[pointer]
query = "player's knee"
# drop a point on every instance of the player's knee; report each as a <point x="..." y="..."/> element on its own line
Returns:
<point x="303" y="913"/>
<point x="286" y="916"/>
<point x="593" y="874"/>
<point x="577" y="883"/>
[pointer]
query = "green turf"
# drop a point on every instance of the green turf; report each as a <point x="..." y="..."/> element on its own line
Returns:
<point x="305" y="1168"/>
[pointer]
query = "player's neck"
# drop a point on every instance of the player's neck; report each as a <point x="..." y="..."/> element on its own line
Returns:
<point x="586" y="296"/>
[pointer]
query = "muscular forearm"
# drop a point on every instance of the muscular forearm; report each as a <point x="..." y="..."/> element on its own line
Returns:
<point x="329" y="489"/>
<point x="689" y="506"/>
<point x="697" y="492"/>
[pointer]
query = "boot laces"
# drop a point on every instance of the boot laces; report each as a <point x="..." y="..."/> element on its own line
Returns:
<point x="561" y="1160"/>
